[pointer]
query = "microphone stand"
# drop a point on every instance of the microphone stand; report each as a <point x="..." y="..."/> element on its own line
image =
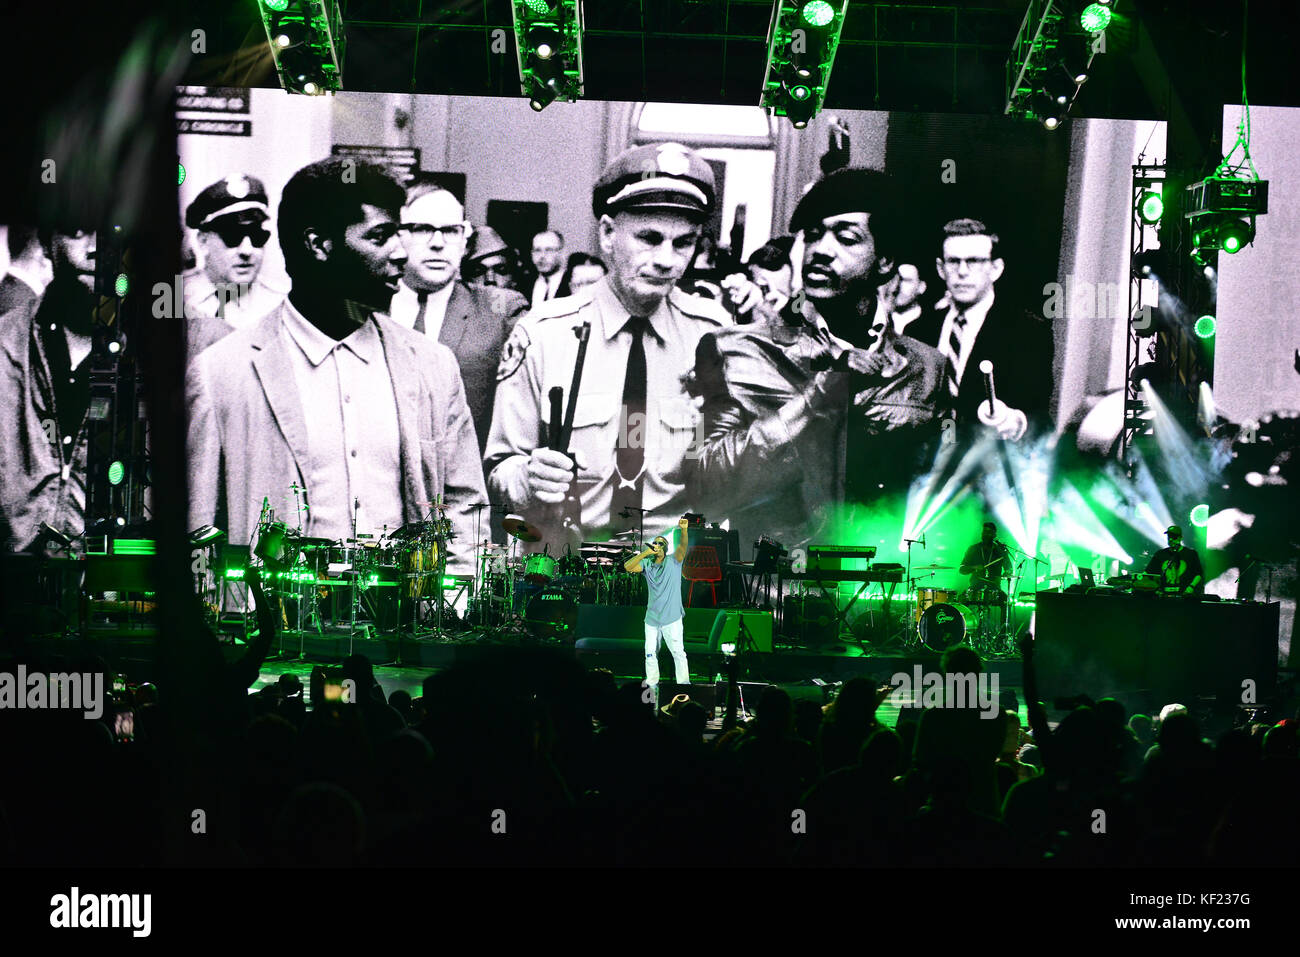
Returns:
<point x="1019" y="579"/>
<point x="911" y="584"/>
<point x="350" y="553"/>
<point x="640" y="519"/>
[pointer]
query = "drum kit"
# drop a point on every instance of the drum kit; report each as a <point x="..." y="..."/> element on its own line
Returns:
<point x="944" y="617"/>
<point x="538" y="594"/>
<point x="375" y="575"/>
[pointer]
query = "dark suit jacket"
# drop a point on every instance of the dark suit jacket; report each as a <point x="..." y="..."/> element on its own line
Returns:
<point x="1020" y="347"/>
<point x="478" y="322"/>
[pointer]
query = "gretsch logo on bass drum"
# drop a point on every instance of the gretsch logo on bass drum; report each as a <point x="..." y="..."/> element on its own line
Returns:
<point x="943" y="617"/>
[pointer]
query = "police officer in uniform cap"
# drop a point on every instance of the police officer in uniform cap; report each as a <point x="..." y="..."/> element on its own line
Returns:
<point x="634" y="424"/>
<point x="230" y="217"/>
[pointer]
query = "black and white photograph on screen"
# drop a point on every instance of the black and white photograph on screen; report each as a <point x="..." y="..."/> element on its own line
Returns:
<point x="373" y="471"/>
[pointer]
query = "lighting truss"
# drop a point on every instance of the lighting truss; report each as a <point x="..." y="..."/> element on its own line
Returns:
<point x="306" y="39"/>
<point x="548" y="50"/>
<point x="802" y="39"/>
<point x="1045" y="68"/>
<point x="1140" y="345"/>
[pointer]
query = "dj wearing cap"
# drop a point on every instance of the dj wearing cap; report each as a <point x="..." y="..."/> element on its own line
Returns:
<point x="633" y="424"/>
<point x="1179" y="567"/>
<point x="231" y="218"/>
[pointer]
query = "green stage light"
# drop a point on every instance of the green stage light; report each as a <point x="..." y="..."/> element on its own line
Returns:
<point x="116" y="472"/>
<point x="121" y="285"/>
<point x="278" y="6"/>
<point x="1151" y="206"/>
<point x="1094" y="18"/>
<point x="538" y="6"/>
<point x="1206" y="326"/>
<point x="818" y="13"/>
<point x="1201" y="515"/>
<point x="180" y="176"/>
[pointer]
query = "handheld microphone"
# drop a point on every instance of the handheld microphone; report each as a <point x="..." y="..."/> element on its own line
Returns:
<point x="986" y="367"/>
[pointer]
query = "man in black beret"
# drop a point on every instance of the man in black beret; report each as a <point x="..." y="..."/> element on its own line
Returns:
<point x="633" y="424"/>
<point x="810" y="407"/>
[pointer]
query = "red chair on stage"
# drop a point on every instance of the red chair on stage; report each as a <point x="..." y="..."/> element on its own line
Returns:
<point x="702" y="566"/>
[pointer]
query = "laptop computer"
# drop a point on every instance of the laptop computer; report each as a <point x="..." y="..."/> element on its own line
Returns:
<point x="1085" y="578"/>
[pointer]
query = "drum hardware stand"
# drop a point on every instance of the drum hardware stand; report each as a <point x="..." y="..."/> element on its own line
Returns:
<point x="640" y="519"/>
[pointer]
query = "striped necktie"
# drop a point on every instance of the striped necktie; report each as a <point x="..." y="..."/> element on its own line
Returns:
<point x="951" y="348"/>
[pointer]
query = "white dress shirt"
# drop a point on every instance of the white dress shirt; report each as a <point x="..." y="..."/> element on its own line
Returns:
<point x="354" y="445"/>
<point x="906" y="317"/>
<point x="975" y="316"/>
<point x="545" y="286"/>
<point x="406" y="306"/>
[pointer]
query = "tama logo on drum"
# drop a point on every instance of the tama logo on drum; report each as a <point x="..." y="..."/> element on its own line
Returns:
<point x="934" y="689"/>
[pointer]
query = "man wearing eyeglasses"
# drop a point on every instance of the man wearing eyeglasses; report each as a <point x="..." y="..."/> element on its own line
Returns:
<point x="366" y="418"/>
<point x="473" y="322"/>
<point x="970" y="327"/>
<point x="230" y="217"/>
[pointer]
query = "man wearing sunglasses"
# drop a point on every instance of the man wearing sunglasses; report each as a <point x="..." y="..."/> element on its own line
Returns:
<point x="327" y="403"/>
<point x="664" y="613"/>
<point x="473" y="322"/>
<point x="231" y="218"/>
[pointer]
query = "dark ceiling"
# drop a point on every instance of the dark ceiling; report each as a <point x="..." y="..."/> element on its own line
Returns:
<point x="903" y="55"/>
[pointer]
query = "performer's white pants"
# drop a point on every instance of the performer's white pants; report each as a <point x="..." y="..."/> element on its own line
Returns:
<point x="672" y="635"/>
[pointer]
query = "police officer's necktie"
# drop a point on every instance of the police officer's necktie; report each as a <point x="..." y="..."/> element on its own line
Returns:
<point x="630" y="442"/>
<point x="419" y="316"/>
<point x="952" y="349"/>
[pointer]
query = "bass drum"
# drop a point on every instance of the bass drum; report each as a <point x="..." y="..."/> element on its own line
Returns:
<point x="943" y="626"/>
<point x="552" y="614"/>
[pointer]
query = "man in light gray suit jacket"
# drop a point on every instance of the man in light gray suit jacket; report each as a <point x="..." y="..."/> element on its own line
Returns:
<point x="339" y="421"/>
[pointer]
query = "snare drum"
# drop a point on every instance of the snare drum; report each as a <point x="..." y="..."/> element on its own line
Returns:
<point x="493" y="564"/>
<point x="539" y="569"/>
<point x="925" y="597"/>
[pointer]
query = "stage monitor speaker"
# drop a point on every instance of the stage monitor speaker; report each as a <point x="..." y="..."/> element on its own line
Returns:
<point x="758" y="625"/>
<point x="810" y="622"/>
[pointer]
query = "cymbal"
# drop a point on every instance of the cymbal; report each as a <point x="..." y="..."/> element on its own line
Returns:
<point x="306" y="542"/>
<point x="491" y="547"/>
<point x="931" y="568"/>
<point x="610" y="548"/>
<point x="411" y="529"/>
<point x="517" y="527"/>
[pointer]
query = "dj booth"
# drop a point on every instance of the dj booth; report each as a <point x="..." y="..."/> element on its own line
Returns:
<point x="1177" y="649"/>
